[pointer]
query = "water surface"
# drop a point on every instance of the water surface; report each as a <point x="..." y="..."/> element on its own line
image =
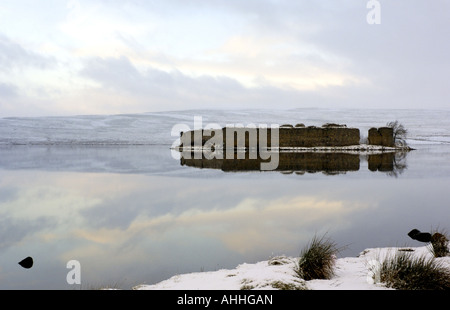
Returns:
<point x="133" y="214"/>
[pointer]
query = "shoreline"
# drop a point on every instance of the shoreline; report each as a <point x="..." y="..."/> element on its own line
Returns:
<point x="277" y="273"/>
<point x="360" y="148"/>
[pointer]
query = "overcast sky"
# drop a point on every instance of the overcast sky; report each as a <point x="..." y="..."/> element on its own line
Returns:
<point x="109" y="57"/>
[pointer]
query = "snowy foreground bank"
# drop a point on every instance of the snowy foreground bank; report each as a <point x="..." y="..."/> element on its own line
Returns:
<point x="352" y="273"/>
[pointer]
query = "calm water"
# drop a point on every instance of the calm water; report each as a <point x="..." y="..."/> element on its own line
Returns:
<point x="134" y="214"/>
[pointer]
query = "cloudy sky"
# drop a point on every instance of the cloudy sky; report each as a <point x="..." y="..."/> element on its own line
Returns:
<point x="108" y="57"/>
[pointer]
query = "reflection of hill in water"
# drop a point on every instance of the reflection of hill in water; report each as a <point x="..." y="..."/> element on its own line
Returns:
<point x="301" y="162"/>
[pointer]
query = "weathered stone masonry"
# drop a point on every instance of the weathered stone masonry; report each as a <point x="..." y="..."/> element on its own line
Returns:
<point x="295" y="137"/>
<point x="288" y="137"/>
<point x="383" y="136"/>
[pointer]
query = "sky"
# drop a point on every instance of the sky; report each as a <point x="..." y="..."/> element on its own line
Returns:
<point x="81" y="57"/>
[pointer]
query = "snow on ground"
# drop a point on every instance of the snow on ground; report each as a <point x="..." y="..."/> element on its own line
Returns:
<point x="424" y="126"/>
<point x="351" y="273"/>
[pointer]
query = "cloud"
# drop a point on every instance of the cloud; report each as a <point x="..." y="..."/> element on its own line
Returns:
<point x="130" y="57"/>
<point x="25" y="77"/>
<point x="14" y="55"/>
<point x="150" y="85"/>
<point x="7" y="90"/>
<point x="148" y="88"/>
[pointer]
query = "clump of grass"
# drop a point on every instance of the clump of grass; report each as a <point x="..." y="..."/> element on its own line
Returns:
<point x="317" y="260"/>
<point x="404" y="271"/>
<point x="280" y="285"/>
<point x="278" y="260"/>
<point x="247" y="285"/>
<point x="298" y="285"/>
<point x="439" y="244"/>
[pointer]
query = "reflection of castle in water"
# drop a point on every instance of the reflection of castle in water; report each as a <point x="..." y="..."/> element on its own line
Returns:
<point x="393" y="163"/>
<point x="301" y="149"/>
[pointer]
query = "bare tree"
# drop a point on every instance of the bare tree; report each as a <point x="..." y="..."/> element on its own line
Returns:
<point x="400" y="133"/>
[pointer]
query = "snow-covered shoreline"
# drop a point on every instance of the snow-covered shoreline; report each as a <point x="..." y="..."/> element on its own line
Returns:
<point x="354" y="149"/>
<point x="351" y="273"/>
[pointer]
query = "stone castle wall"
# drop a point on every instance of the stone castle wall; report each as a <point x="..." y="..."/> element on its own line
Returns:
<point x="288" y="137"/>
<point x="383" y="136"/>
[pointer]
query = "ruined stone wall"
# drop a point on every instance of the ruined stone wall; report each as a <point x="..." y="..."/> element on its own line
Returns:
<point x="288" y="137"/>
<point x="318" y="136"/>
<point x="383" y="136"/>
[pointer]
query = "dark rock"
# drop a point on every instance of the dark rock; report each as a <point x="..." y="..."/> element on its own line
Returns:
<point x="413" y="232"/>
<point x="26" y="262"/>
<point x="416" y="234"/>
<point x="423" y="237"/>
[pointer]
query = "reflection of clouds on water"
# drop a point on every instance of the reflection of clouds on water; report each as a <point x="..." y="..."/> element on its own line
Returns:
<point x="118" y="211"/>
<point x="248" y="227"/>
<point x="255" y="223"/>
<point x="13" y="231"/>
<point x="47" y="195"/>
<point x="7" y="193"/>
